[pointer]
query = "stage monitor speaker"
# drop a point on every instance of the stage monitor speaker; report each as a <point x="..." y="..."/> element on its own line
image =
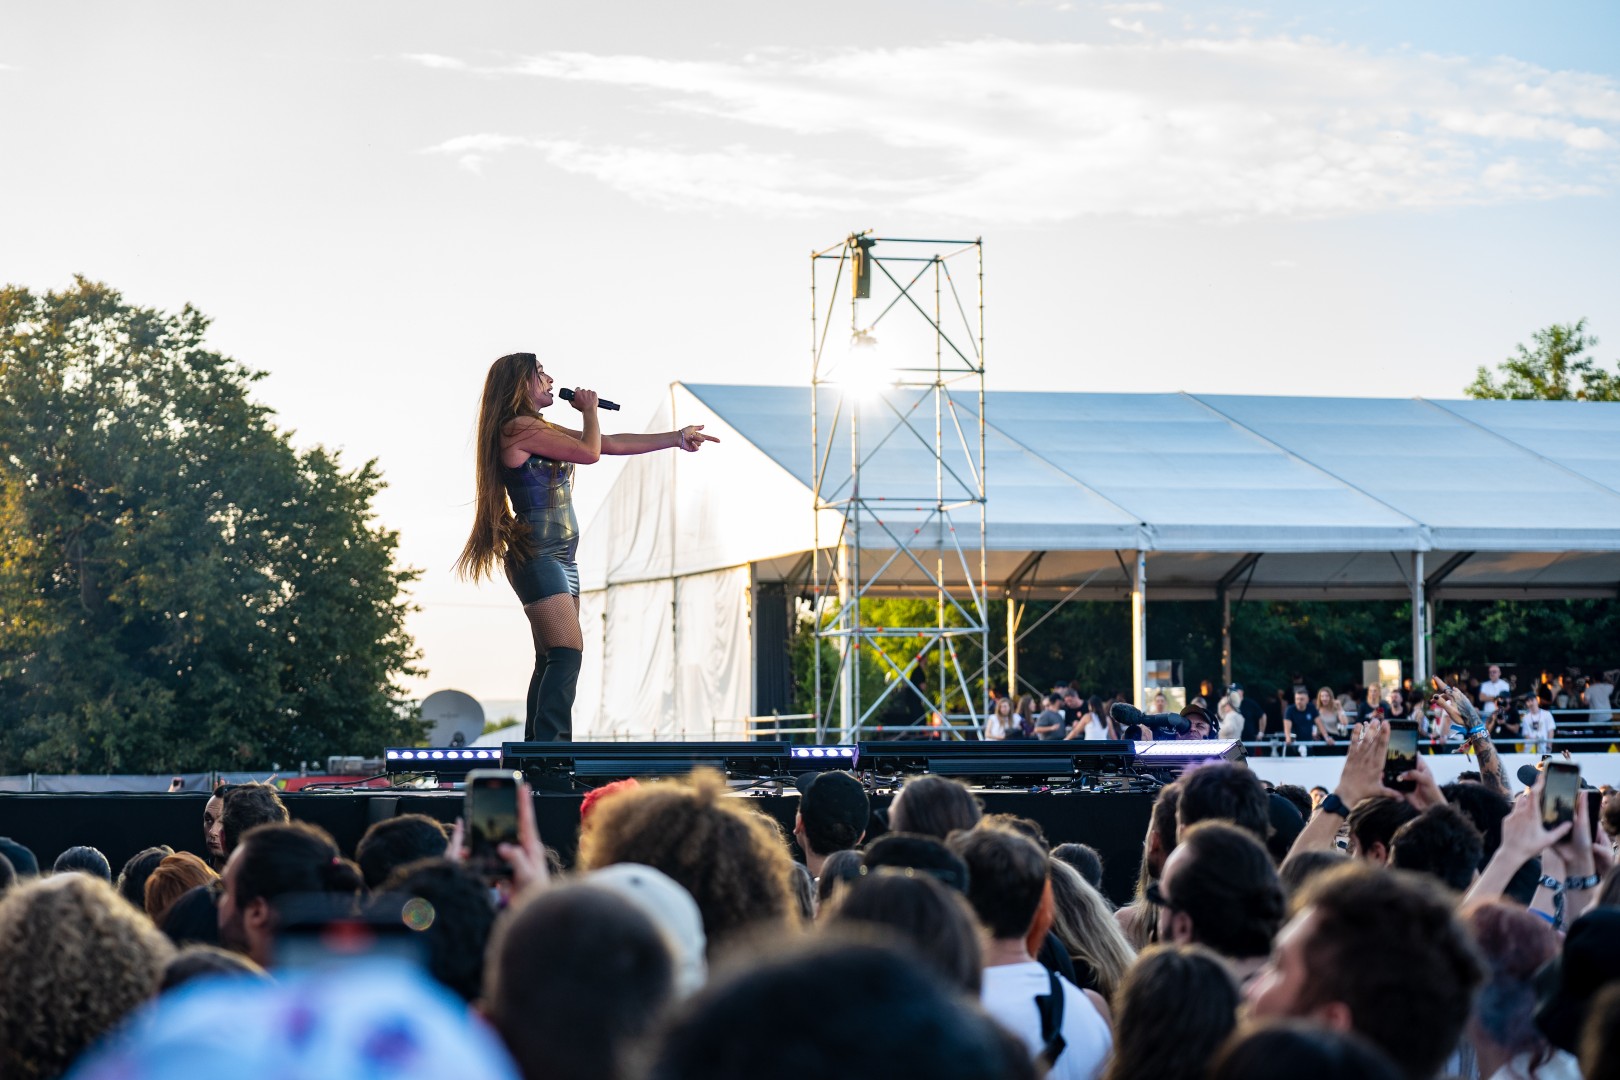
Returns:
<point x="1013" y="761"/>
<point x="605" y="761"/>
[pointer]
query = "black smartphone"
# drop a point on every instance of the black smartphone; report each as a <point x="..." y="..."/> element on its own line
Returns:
<point x="1401" y="757"/>
<point x="490" y="817"/>
<point x="1559" y="790"/>
<point x="1594" y="812"/>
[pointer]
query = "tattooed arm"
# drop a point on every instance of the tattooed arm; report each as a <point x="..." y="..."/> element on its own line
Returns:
<point x="1491" y="770"/>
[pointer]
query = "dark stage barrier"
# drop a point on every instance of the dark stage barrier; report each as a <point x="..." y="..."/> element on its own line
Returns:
<point x="121" y="825"/>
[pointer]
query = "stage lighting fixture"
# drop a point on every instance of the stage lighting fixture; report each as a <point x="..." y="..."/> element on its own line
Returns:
<point x="443" y="761"/>
<point x="1172" y="757"/>
<point x="861" y="274"/>
<point x="823" y="758"/>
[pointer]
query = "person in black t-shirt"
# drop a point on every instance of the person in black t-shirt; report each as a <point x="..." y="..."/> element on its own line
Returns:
<point x="1299" y="719"/>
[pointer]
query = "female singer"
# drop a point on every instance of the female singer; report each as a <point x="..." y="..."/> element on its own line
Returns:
<point x="527" y="460"/>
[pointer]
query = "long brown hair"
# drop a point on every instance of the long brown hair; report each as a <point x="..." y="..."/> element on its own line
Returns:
<point x="496" y="532"/>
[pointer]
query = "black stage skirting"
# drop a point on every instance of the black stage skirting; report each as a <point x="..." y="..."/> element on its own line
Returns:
<point x="121" y="825"/>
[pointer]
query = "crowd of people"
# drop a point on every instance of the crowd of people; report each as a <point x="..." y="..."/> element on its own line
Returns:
<point x="1366" y="932"/>
<point x="1324" y="717"/>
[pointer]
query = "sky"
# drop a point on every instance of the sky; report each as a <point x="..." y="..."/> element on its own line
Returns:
<point x="374" y="200"/>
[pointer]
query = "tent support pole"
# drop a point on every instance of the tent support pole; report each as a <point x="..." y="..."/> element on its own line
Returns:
<point x="1139" y="631"/>
<point x="1223" y="591"/>
<point x="1420" y="630"/>
<point x="1012" y="645"/>
<point x="1226" y="638"/>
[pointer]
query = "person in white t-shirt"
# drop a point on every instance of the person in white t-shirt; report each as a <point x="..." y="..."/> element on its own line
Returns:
<point x="1491" y="689"/>
<point x="1536" y="727"/>
<point x="1062" y="1025"/>
<point x="1599" y="697"/>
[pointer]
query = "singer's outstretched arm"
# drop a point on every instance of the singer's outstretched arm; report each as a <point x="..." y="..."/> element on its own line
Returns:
<point x="690" y="438"/>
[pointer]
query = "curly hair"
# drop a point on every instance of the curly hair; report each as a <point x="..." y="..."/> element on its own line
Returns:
<point x="733" y="860"/>
<point x="246" y="806"/>
<point x="75" y="959"/>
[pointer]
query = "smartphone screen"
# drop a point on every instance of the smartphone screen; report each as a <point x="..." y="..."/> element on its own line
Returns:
<point x="1402" y="754"/>
<point x="491" y="820"/>
<point x="1559" y="791"/>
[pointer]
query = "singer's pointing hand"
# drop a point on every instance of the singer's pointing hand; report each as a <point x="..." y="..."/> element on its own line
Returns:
<point x="584" y="400"/>
<point x="692" y="437"/>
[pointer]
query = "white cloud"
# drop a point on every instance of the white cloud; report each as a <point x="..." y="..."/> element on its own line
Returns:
<point x="999" y="130"/>
<point x="434" y="60"/>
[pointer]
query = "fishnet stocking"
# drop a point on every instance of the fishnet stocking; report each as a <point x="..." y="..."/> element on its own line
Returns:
<point x="554" y="622"/>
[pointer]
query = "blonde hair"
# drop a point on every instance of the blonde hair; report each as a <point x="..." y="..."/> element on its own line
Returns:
<point x="1087" y="929"/>
<point x="496" y="531"/>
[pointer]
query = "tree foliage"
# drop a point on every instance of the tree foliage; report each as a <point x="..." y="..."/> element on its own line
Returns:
<point x="180" y="588"/>
<point x="1555" y="369"/>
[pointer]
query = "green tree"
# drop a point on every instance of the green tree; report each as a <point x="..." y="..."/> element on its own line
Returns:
<point x="1556" y="369"/>
<point x="180" y="588"/>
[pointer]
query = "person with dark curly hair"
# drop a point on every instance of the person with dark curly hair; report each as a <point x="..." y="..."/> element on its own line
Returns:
<point x="1219" y="889"/>
<point x="75" y="959"/>
<point x="731" y="858"/>
<point x="397" y="841"/>
<point x="461" y="916"/>
<point x="1442" y="843"/>
<point x="246" y="806"/>
<point x="1187" y="982"/>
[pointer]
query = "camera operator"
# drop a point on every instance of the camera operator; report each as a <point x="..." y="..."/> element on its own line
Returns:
<point x="1504" y="718"/>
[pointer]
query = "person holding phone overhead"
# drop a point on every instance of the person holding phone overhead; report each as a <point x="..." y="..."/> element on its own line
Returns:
<point x="524" y="518"/>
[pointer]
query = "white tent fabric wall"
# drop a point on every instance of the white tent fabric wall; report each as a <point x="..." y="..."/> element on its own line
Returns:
<point x="713" y="675"/>
<point x="680" y="529"/>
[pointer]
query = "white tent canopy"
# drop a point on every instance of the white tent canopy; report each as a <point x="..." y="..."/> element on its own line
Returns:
<point x="1224" y="496"/>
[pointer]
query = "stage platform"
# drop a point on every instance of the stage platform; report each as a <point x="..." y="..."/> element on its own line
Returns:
<point x="122" y="824"/>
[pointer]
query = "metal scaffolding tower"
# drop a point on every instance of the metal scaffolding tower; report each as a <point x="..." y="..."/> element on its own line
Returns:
<point x="876" y="534"/>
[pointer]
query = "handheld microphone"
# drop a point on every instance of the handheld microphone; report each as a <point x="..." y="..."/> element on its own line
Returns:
<point x="601" y="402"/>
<point x="1130" y="716"/>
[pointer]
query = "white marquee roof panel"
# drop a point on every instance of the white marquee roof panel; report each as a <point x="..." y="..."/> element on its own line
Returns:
<point x="1323" y="488"/>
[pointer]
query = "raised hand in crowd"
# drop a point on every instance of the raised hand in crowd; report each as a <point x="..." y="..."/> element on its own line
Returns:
<point x="1523" y="838"/>
<point x="527" y="857"/>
